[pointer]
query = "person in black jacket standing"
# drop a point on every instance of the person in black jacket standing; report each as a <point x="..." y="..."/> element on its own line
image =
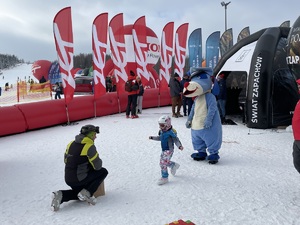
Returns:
<point x="83" y="169"/>
<point x="175" y="92"/>
<point x="187" y="102"/>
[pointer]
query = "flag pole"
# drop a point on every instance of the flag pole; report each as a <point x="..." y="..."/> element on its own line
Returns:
<point x="67" y="112"/>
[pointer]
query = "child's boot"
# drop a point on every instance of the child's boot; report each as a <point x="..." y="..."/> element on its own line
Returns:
<point x="162" y="181"/>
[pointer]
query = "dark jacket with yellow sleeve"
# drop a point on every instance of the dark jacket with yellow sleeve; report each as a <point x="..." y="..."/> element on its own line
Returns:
<point x="81" y="157"/>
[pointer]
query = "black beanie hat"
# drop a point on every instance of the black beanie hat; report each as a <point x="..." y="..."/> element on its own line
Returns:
<point x="132" y="73"/>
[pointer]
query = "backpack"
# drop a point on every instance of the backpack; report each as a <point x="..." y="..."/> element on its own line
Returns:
<point x="128" y="86"/>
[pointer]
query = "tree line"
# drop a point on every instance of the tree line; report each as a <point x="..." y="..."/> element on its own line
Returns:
<point x="8" y="61"/>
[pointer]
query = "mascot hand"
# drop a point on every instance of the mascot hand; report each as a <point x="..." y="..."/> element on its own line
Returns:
<point x="188" y="124"/>
<point x="207" y="124"/>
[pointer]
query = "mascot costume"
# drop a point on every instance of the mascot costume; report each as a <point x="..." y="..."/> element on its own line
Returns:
<point x="204" y="119"/>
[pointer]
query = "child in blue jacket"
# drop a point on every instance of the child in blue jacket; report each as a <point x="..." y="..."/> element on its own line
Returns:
<point x="168" y="137"/>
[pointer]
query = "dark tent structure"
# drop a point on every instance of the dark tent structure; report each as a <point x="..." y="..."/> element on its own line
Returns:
<point x="259" y="82"/>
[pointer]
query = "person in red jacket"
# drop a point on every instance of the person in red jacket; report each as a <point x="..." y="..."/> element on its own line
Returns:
<point x="296" y="133"/>
<point x="132" y="96"/>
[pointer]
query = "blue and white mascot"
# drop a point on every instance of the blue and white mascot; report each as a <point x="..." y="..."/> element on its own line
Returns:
<point x="204" y="119"/>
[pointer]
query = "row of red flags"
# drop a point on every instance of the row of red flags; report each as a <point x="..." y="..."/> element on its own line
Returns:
<point x="63" y="35"/>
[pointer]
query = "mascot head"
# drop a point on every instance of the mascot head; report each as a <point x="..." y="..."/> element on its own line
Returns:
<point x="200" y="83"/>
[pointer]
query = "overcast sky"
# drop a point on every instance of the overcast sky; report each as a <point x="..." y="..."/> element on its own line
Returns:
<point x="26" y="27"/>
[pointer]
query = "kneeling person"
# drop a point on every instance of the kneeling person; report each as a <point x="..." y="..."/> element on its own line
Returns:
<point x="83" y="169"/>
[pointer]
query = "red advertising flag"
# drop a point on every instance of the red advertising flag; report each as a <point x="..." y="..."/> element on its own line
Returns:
<point x="180" y="48"/>
<point x="118" y="50"/>
<point x="99" y="45"/>
<point x="166" y="56"/>
<point x="63" y="35"/>
<point x="139" y="34"/>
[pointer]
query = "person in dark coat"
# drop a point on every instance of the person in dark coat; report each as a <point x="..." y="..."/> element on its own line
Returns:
<point x="187" y="102"/>
<point x="57" y="91"/>
<point x="132" y="97"/>
<point x="222" y="96"/>
<point x="83" y="169"/>
<point x="42" y="80"/>
<point x="175" y="92"/>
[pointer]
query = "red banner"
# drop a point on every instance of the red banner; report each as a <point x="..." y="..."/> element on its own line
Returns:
<point x="139" y="34"/>
<point x="118" y="51"/>
<point x="166" y="56"/>
<point x="63" y="35"/>
<point x="180" y="48"/>
<point x="99" y="44"/>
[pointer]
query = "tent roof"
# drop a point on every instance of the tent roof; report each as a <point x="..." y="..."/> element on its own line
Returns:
<point x="241" y="60"/>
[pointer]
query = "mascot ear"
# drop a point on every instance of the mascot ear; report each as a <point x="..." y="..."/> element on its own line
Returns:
<point x="186" y="84"/>
<point x="202" y="72"/>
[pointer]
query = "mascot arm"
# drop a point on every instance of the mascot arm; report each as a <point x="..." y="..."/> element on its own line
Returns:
<point x="188" y="123"/>
<point x="211" y="109"/>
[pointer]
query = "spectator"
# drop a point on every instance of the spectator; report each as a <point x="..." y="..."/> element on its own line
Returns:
<point x="132" y="96"/>
<point x="175" y="92"/>
<point x="222" y="96"/>
<point x="6" y="86"/>
<point x="83" y="169"/>
<point x="140" y="95"/>
<point x="187" y="102"/>
<point x="42" y="80"/>
<point x="57" y="90"/>
<point x="108" y="83"/>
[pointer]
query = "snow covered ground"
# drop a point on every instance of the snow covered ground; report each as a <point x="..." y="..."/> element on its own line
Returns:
<point x="254" y="182"/>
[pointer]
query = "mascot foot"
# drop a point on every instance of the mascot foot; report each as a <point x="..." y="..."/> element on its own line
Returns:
<point x="213" y="158"/>
<point x="199" y="156"/>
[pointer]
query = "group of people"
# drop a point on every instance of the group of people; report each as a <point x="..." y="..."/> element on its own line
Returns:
<point x="83" y="167"/>
<point x="178" y="99"/>
<point x="135" y="96"/>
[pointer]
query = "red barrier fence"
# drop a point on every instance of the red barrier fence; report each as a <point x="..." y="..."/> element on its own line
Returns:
<point x="30" y="116"/>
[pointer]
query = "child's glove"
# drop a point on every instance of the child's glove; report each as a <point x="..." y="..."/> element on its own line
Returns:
<point x="150" y="137"/>
<point x="207" y="124"/>
<point x="188" y="124"/>
<point x="181" y="148"/>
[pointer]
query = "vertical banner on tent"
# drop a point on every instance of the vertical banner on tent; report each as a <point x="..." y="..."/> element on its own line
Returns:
<point x="292" y="48"/>
<point x="166" y="56"/>
<point x="99" y="45"/>
<point x="195" y="48"/>
<point x="63" y="35"/>
<point x="139" y="34"/>
<point x="118" y="50"/>
<point x="226" y="41"/>
<point x="244" y="33"/>
<point x="259" y="96"/>
<point x="212" y="49"/>
<point x="180" y="48"/>
<point x="285" y="24"/>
